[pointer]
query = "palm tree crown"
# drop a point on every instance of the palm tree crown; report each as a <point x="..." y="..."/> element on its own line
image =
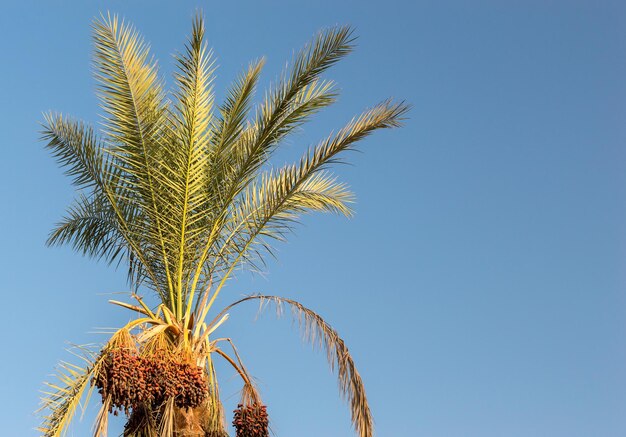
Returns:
<point x="180" y="189"/>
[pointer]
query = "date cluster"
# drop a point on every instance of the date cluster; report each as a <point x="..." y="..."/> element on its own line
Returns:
<point x="251" y="421"/>
<point x="132" y="381"/>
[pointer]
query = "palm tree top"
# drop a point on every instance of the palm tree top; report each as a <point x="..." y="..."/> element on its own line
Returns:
<point x="181" y="189"/>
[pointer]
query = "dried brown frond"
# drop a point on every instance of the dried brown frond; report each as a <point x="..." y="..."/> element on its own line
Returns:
<point x="122" y="339"/>
<point x="166" y="427"/>
<point x="100" y="428"/>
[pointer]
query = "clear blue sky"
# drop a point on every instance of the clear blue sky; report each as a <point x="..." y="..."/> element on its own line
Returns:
<point x="481" y="286"/>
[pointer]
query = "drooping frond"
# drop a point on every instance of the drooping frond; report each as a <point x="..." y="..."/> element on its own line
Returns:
<point x="62" y="398"/>
<point x="317" y="331"/>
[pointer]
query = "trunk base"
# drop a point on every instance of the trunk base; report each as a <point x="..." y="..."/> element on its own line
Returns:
<point x="188" y="422"/>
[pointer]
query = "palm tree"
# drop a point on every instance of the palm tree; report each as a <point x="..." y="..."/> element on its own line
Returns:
<point x="180" y="190"/>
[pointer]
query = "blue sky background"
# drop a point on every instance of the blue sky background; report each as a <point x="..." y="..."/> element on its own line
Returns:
<point x="481" y="285"/>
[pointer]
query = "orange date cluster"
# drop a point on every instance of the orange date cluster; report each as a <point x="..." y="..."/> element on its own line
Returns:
<point x="131" y="381"/>
<point x="251" y="421"/>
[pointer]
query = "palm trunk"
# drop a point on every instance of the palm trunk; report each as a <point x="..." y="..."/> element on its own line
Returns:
<point x="187" y="422"/>
<point x="195" y="422"/>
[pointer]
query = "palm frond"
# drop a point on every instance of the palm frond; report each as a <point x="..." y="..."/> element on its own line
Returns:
<point x="317" y="331"/>
<point x="90" y="226"/>
<point x="101" y="425"/>
<point x="236" y="107"/>
<point x="290" y="103"/>
<point x="326" y="49"/>
<point x="63" y="397"/>
<point x="133" y="101"/>
<point x="185" y="163"/>
<point x="130" y="90"/>
<point x="298" y="94"/>
<point x="271" y="206"/>
<point x="382" y="116"/>
<point x="166" y="427"/>
<point x="75" y="146"/>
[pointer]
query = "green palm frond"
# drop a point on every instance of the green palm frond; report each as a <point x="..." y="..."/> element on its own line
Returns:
<point x="297" y="96"/>
<point x="76" y="147"/>
<point x="382" y="116"/>
<point x="236" y="108"/>
<point x="271" y="206"/>
<point x="91" y="228"/>
<point x="129" y="87"/>
<point x="318" y="332"/>
<point x="280" y="113"/>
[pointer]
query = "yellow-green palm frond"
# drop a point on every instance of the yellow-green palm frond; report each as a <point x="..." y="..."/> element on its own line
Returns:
<point x="236" y="107"/>
<point x="270" y="206"/>
<point x="385" y="115"/>
<point x="298" y="94"/>
<point x="278" y="115"/>
<point x="63" y="397"/>
<point x="135" y="119"/>
<point x="318" y="332"/>
<point x="185" y="162"/>
<point x="90" y="225"/>
<point x="230" y="132"/>
<point x="129" y="87"/>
